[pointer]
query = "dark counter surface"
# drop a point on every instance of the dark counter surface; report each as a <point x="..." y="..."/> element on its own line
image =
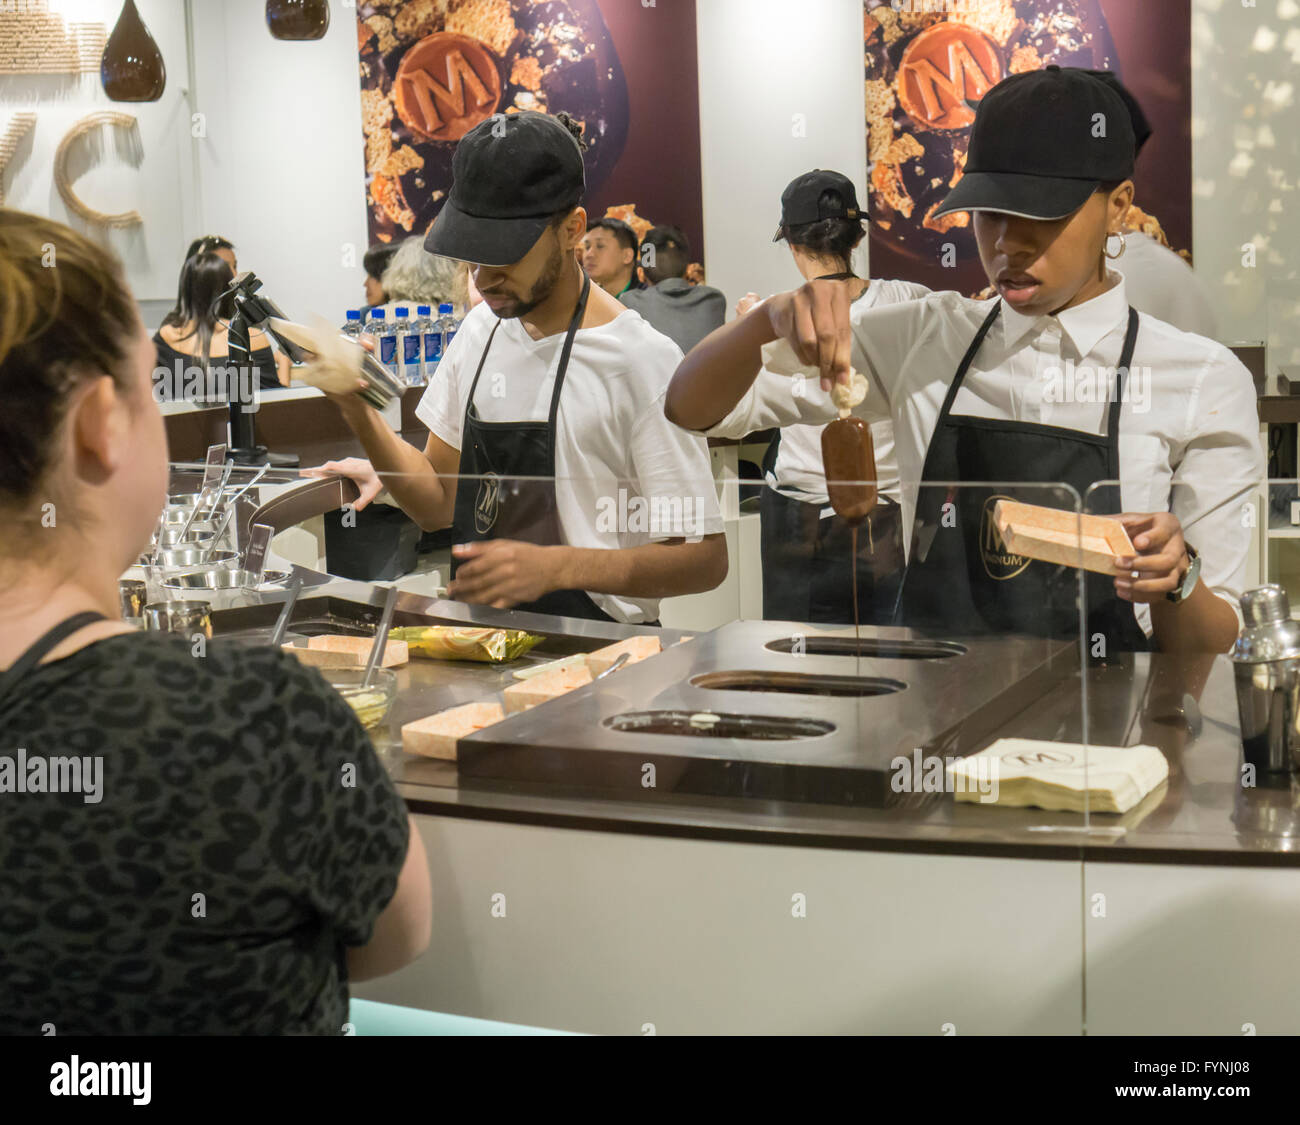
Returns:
<point x="1202" y="815"/>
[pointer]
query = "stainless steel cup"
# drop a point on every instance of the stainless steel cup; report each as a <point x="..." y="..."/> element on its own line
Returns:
<point x="1266" y="663"/>
<point x="192" y="558"/>
<point x="133" y="596"/>
<point x="180" y="617"/>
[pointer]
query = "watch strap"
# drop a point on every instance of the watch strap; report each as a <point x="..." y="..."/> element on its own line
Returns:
<point x="1190" y="579"/>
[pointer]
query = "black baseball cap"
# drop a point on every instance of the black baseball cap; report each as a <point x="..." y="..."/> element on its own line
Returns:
<point x="1141" y="126"/>
<point x="1034" y="148"/>
<point x="512" y="173"/>
<point x="801" y="202"/>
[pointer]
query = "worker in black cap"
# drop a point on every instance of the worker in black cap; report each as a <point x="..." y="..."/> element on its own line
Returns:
<point x="1054" y="380"/>
<point x="809" y="564"/>
<point x="576" y="497"/>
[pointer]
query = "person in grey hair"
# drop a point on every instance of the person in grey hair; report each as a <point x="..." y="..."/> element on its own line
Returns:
<point x="683" y="312"/>
<point x="414" y="276"/>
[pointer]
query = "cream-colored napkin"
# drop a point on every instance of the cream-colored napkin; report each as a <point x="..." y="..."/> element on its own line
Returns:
<point x="1060" y="775"/>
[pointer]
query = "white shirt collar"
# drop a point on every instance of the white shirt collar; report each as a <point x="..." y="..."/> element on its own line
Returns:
<point x="1084" y="324"/>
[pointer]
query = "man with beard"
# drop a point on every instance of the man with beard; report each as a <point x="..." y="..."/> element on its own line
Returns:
<point x="549" y="454"/>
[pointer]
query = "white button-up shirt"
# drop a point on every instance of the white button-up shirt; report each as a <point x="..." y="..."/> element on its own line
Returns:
<point x="1188" y="433"/>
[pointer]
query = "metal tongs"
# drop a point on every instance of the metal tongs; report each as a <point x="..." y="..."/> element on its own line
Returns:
<point x="207" y="500"/>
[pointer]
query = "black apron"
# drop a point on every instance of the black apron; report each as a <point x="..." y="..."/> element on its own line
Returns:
<point x="809" y="566"/>
<point x="39" y="649"/>
<point x="515" y="499"/>
<point x="808" y="563"/>
<point x="960" y="580"/>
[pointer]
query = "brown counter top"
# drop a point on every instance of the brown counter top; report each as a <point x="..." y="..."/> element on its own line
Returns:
<point x="1202" y="816"/>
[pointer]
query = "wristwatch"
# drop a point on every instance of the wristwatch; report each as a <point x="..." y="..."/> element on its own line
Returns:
<point x="1190" y="579"/>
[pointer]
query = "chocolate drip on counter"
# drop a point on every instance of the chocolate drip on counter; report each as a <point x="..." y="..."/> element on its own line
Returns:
<point x="132" y="68"/>
<point x="849" y="459"/>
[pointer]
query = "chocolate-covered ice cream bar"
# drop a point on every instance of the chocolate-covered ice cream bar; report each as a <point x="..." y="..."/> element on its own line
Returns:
<point x="849" y="459"/>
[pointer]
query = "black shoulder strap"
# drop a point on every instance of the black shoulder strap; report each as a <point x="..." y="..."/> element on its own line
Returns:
<point x="43" y="646"/>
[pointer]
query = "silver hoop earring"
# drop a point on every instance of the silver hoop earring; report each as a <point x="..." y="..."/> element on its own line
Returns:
<point x="1123" y="245"/>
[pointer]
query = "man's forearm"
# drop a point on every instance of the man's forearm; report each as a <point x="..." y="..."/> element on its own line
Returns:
<point x="1202" y="623"/>
<point x="657" y="570"/>
<point x="405" y="470"/>
<point x="717" y="372"/>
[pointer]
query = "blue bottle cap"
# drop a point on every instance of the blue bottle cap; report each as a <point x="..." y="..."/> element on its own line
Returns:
<point x="423" y="310"/>
<point x="446" y="309"/>
<point x="402" y="311"/>
<point x="378" y="314"/>
<point x="354" y="314"/>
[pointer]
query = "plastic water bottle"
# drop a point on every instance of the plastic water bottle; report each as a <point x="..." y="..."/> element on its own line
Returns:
<point x="447" y="326"/>
<point x="421" y="328"/>
<point x="432" y="342"/>
<point x="408" y="348"/>
<point x="352" y="329"/>
<point x="385" y="339"/>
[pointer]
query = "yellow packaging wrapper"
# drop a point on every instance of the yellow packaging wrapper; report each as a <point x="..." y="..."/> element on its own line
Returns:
<point x="454" y="642"/>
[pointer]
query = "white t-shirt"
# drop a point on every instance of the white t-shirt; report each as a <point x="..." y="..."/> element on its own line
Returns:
<point x="799" y="471"/>
<point x="1162" y="285"/>
<point x="625" y="475"/>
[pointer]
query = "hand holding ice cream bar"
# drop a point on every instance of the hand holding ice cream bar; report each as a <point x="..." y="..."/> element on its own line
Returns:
<point x="848" y="455"/>
<point x="779" y="358"/>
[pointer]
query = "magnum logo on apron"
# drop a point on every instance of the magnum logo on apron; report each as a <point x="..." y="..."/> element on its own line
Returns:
<point x="999" y="563"/>
<point x="487" y="503"/>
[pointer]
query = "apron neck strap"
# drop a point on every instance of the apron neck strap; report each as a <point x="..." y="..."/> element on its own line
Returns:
<point x="42" y="647"/>
<point x="846" y="275"/>
<point x="1121" y="375"/>
<point x="579" y="312"/>
<point x="967" y="360"/>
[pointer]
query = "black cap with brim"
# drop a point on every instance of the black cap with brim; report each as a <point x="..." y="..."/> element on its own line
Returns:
<point x="1012" y="193"/>
<point x="482" y="240"/>
<point x="511" y="175"/>
<point x="1042" y="143"/>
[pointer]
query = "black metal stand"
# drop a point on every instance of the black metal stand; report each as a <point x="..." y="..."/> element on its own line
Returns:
<point x="244" y="447"/>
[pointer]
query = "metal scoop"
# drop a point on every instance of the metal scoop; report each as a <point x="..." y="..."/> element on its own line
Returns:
<point x="381" y="637"/>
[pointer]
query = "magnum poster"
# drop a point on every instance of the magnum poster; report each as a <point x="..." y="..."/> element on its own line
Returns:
<point x="433" y="69"/>
<point x="925" y="59"/>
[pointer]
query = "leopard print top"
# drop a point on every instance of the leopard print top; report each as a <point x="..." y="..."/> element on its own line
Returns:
<point x="246" y="833"/>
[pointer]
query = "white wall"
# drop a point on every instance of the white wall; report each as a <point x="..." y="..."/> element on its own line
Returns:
<point x="148" y="169"/>
<point x="282" y="169"/>
<point x="781" y="92"/>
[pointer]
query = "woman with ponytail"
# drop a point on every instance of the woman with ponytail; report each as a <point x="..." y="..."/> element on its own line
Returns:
<point x="155" y="769"/>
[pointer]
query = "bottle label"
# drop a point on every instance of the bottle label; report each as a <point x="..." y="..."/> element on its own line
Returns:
<point x="411" y="350"/>
<point x="432" y="347"/>
<point x="448" y="337"/>
<point x="388" y="350"/>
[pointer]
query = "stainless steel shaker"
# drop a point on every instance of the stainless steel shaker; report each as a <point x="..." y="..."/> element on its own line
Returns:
<point x="1266" y="660"/>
